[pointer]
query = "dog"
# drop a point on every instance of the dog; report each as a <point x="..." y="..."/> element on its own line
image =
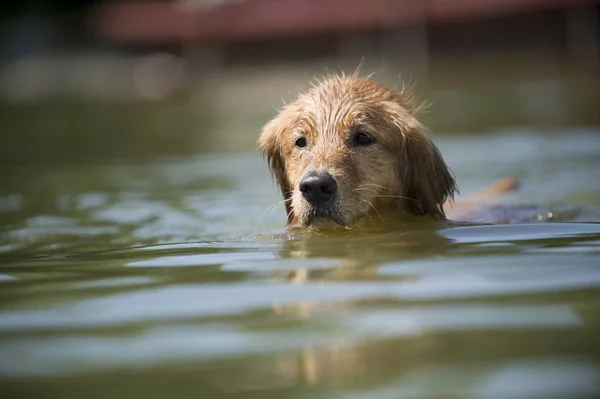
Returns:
<point x="350" y="148"/>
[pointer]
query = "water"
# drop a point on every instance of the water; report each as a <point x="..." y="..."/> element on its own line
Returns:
<point x="172" y="277"/>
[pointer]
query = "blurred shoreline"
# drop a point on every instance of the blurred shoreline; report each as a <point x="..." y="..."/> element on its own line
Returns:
<point x="146" y="109"/>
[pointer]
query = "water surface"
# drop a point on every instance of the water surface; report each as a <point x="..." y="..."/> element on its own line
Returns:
<point x="172" y="277"/>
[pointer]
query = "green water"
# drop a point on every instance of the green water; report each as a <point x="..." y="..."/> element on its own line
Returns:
<point x="172" y="277"/>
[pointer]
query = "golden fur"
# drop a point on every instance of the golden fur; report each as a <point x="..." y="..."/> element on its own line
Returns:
<point x="401" y="171"/>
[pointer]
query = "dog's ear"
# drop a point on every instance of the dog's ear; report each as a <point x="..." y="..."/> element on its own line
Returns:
<point x="424" y="175"/>
<point x="425" y="179"/>
<point x="270" y="144"/>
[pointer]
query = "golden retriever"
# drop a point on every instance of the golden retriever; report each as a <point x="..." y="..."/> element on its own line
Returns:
<point x="350" y="148"/>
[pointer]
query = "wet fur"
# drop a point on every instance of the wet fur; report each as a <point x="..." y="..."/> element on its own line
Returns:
<point x="402" y="172"/>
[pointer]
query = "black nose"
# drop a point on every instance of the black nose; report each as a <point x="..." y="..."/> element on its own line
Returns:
<point x="318" y="187"/>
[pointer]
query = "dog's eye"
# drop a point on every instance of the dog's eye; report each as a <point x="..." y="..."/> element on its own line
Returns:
<point x="301" y="142"/>
<point x="363" y="138"/>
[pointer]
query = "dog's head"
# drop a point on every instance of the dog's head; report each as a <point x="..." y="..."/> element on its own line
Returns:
<point x="350" y="148"/>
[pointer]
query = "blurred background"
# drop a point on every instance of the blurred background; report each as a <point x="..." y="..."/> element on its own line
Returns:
<point x="82" y="80"/>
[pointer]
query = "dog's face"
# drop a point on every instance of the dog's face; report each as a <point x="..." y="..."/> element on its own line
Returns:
<point x="350" y="148"/>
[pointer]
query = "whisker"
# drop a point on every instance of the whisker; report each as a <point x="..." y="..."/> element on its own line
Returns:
<point x="372" y="221"/>
<point x="266" y="210"/>
<point x="401" y="197"/>
<point x="279" y="203"/>
<point x="368" y="189"/>
<point x="384" y="195"/>
<point x="271" y="207"/>
<point x="372" y="184"/>
<point x="376" y="211"/>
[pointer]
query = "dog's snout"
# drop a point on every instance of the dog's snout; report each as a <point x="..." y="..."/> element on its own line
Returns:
<point x="318" y="188"/>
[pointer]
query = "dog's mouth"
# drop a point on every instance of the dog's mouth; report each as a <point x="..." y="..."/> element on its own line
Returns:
<point x="324" y="214"/>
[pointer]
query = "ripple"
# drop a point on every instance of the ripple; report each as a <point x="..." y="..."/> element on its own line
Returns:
<point x="6" y="277"/>
<point x="542" y="379"/>
<point x="47" y="355"/>
<point x="518" y="232"/>
<point x="535" y="378"/>
<point x="181" y="301"/>
<point x="415" y="321"/>
<point x="493" y="276"/>
<point x="283" y="264"/>
<point x="76" y="354"/>
<point x="204" y="300"/>
<point x="201" y="259"/>
<point x="39" y="233"/>
<point x="112" y="282"/>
